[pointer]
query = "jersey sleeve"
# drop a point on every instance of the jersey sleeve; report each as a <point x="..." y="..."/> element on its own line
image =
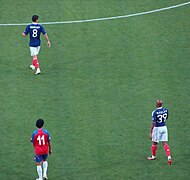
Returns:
<point x="43" y="30"/>
<point x="49" y="138"/>
<point x="33" y="135"/>
<point x="32" y="138"/>
<point x="153" y="116"/>
<point x="27" y="30"/>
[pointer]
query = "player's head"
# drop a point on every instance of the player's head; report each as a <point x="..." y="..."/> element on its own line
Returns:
<point x="159" y="103"/>
<point x="39" y="123"/>
<point x="35" y="18"/>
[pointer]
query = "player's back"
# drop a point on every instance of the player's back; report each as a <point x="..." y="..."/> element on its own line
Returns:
<point x="40" y="140"/>
<point x="159" y="116"/>
<point x="35" y="30"/>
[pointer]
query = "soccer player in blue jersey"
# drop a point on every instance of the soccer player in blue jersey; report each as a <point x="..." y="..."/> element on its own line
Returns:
<point x="158" y="130"/>
<point x="34" y="30"/>
<point x="42" y="146"/>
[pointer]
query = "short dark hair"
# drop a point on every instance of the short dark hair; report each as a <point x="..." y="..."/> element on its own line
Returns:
<point x="39" y="123"/>
<point x="34" y="18"/>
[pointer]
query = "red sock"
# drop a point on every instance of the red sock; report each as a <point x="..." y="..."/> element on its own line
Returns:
<point x="167" y="149"/>
<point x="35" y="63"/>
<point x="154" y="148"/>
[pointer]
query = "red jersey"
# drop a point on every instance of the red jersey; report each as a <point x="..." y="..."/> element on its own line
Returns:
<point x="40" y="139"/>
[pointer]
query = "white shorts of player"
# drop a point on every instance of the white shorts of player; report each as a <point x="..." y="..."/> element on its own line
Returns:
<point x="160" y="134"/>
<point x="34" y="50"/>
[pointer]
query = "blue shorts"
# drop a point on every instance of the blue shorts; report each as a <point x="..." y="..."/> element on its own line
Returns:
<point x="40" y="158"/>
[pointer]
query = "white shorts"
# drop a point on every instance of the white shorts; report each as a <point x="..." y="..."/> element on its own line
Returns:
<point x="160" y="134"/>
<point x="34" y="50"/>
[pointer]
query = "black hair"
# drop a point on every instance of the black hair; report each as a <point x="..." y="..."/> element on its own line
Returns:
<point x="34" y="18"/>
<point x="39" y="123"/>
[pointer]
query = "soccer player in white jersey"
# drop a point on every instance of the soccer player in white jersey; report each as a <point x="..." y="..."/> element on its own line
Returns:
<point x="34" y="30"/>
<point x="158" y="131"/>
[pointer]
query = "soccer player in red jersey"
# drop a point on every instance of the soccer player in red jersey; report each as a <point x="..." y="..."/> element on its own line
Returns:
<point x="34" y="30"/>
<point x="159" y="131"/>
<point x="42" y="146"/>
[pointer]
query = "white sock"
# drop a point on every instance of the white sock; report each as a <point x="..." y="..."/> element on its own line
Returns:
<point x="45" y="166"/>
<point x="39" y="171"/>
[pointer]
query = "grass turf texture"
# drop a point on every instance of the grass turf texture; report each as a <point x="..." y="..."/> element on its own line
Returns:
<point x="98" y="87"/>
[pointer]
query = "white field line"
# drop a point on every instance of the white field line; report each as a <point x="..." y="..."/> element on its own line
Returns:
<point x="106" y="18"/>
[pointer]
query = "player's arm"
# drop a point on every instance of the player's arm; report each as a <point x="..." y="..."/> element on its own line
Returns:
<point x="50" y="148"/>
<point x="151" y="129"/>
<point x="49" y="143"/>
<point x="32" y="139"/>
<point x="25" y="33"/>
<point x="167" y="115"/>
<point x="47" y="39"/>
<point x="153" y="124"/>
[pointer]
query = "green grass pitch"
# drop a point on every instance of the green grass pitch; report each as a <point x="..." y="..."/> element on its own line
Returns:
<point x="97" y="89"/>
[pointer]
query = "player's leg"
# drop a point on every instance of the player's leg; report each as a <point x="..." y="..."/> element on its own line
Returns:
<point x="39" y="171"/>
<point x="38" y="71"/>
<point x="154" y="148"/>
<point x="164" y="140"/>
<point x="38" y="160"/>
<point x="45" y="166"/>
<point x="35" y="63"/>
<point x="167" y="150"/>
<point x="32" y="52"/>
<point x="155" y="140"/>
<point x="32" y="65"/>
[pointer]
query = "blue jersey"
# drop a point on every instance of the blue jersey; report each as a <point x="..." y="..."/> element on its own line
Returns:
<point x="34" y="30"/>
<point x="159" y="116"/>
